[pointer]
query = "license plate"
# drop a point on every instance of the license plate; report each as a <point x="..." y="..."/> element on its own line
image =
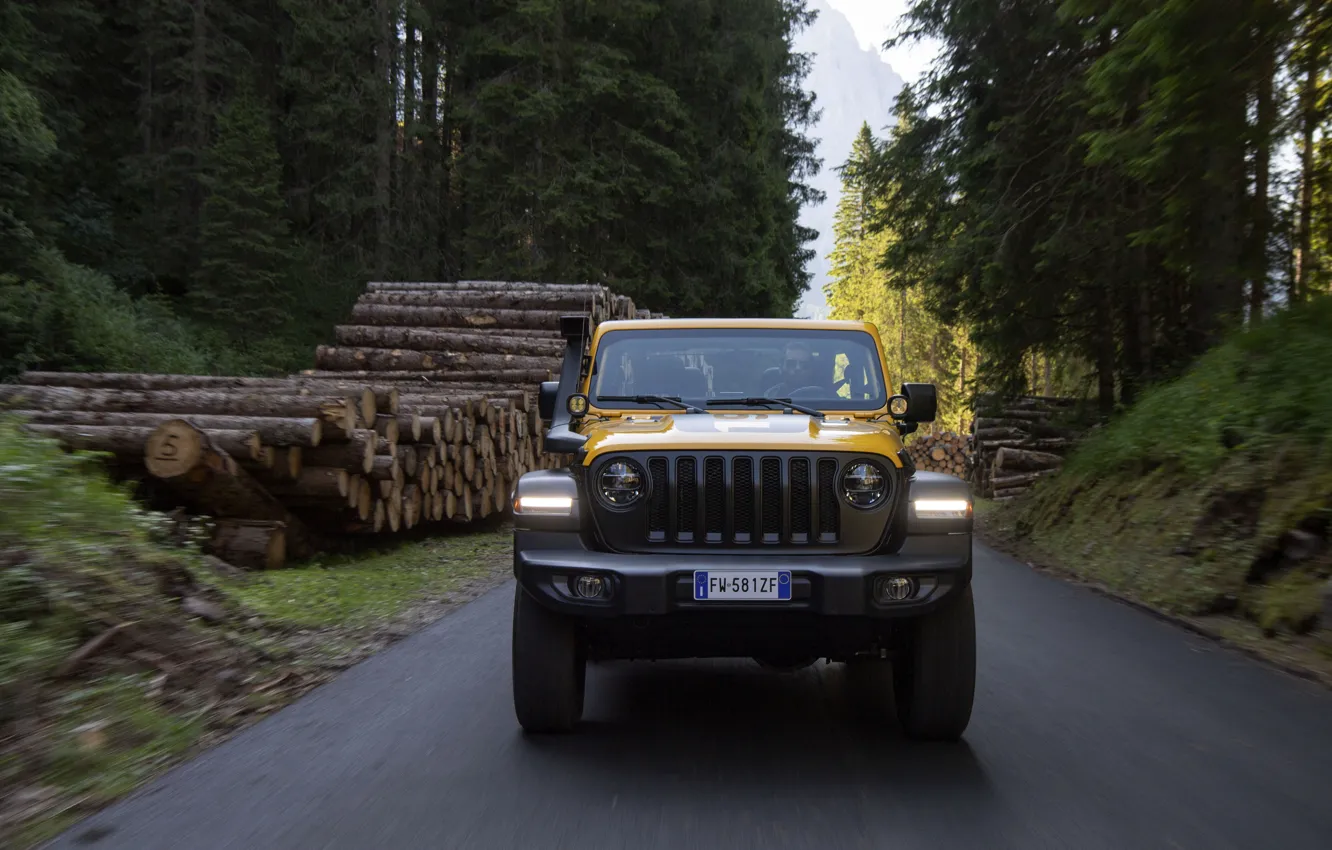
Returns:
<point x="773" y="585"/>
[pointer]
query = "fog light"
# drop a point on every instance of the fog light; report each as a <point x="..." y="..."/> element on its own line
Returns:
<point x="895" y="588"/>
<point x="590" y="587"/>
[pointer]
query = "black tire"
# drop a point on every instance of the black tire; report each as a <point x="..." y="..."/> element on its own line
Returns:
<point x="934" y="682"/>
<point x="549" y="668"/>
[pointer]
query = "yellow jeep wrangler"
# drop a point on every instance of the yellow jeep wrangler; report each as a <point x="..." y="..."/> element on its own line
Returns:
<point x="739" y="489"/>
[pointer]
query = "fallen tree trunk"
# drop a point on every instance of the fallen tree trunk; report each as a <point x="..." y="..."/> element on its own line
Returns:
<point x="128" y="441"/>
<point x="329" y="358"/>
<point x="341" y="411"/>
<point x="454" y="317"/>
<point x="1025" y="461"/>
<point x="371" y="397"/>
<point x="510" y="377"/>
<point x="315" y="482"/>
<point x="253" y="545"/>
<point x="483" y="286"/>
<point x="272" y="431"/>
<point x="430" y="339"/>
<point x="502" y="299"/>
<point x="999" y="428"/>
<point x="212" y="482"/>
<point x="1020" y="480"/>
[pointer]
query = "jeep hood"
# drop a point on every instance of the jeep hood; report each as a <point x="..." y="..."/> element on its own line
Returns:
<point x="759" y="432"/>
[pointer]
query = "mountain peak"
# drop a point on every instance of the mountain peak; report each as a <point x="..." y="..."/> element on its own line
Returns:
<point x="853" y="86"/>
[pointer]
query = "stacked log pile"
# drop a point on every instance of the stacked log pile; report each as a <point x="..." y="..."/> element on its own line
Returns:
<point x="423" y="411"/>
<point x="945" y="452"/>
<point x="1018" y="442"/>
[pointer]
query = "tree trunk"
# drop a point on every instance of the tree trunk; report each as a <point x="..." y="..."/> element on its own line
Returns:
<point x="1260" y="216"/>
<point x="250" y="545"/>
<point x="212" y="482"/>
<point x="128" y="441"/>
<point x="455" y="317"/>
<point x="1021" y="479"/>
<point x="339" y="411"/>
<point x="315" y="481"/>
<point x="384" y="132"/>
<point x="329" y="358"/>
<point x="486" y="286"/>
<point x="1105" y="354"/>
<point x="357" y="453"/>
<point x="509" y="377"/>
<point x="271" y="431"/>
<point x="372" y="398"/>
<point x="429" y="339"/>
<point x="1309" y="125"/>
<point x="530" y="299"/>
<point x="1022" y="460"/>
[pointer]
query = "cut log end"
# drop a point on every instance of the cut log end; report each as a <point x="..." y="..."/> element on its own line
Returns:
<point x="175" y="448"/>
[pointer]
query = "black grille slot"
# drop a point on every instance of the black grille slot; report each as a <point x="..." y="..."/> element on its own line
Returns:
<point x="753" y="502"/>
<point x="659" y="506"/>
<point x="800" y="500"/>
<point x="714" y="495"/>
<point x="828" y="515"/>
<point x="743" y="481"/>
<point x="686" y="510"/>
<point x="772" y="499"/>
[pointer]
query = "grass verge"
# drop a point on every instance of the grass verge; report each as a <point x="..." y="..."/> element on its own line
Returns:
<point x="123" y="650"/>
<point x="1211" y="499"/>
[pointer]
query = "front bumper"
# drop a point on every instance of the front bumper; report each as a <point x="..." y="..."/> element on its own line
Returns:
<point x="647" y="585"/>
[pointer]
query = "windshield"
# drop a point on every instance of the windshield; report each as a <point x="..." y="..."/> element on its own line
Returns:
<point x="825" y="369"/>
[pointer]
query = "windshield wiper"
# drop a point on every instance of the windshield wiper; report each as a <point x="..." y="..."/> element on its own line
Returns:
<point x="653" y="399"/>
<point x="784" y="402"/>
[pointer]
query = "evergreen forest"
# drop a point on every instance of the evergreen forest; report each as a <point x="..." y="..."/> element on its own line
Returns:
<point x="206" y="185"/>
<point x="1085" y="195"/>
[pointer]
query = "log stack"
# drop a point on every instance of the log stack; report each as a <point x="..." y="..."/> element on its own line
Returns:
<point x="422" y="411"/>
<point x="1019" y="441"/>
<point x="944" y="452"/>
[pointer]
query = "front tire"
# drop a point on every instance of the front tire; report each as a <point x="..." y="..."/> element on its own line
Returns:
<point x="934" y="683"/>
<point x="549" y="668"/>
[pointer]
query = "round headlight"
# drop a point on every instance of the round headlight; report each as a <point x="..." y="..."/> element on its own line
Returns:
<point x="864" y="485"/>
<point x="621" y="483"/>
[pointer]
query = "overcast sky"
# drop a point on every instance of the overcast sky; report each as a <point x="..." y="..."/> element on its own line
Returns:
<point x="874" y="22"/>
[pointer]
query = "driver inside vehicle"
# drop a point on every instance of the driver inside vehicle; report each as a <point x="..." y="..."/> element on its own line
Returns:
<point x="798" y="370"/>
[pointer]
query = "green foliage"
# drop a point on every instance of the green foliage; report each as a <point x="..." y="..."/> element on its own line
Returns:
<point x="1072" y="179"/>
<point x="241" y="285"/>
<point x="356" y="591"/>
<point x="1263" y="388"/>
<point x="1179" y="498"/>
<point x="71" y="544"/>
<point x="254" y="164"/>
<point x="1292" y="602"/>
<point x="600" y="150"/>
<point x="68" y="317"/>
<point x="918" y="345"/>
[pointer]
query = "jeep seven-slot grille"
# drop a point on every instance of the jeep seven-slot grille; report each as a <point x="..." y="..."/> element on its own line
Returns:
<point x="828" y="524"/>
<point x="658" y="507"/>
<point x="790" y="500"/>
<point x="686" y="498"/>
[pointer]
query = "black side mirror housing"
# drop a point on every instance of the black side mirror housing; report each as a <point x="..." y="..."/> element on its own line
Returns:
<point x="546" y="399"/>
<point x="922" y="402"/>
<point x="560" y="438"/>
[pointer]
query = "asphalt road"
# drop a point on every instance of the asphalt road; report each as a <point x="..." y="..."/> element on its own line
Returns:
<point x="1095" y="726"/>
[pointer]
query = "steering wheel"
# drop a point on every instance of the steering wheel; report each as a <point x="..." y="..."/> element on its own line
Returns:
<point x="814" y="391"/>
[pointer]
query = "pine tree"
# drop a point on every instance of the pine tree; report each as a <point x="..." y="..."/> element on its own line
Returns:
<point x="242" y="283"/>
<point x="918" y="346"/>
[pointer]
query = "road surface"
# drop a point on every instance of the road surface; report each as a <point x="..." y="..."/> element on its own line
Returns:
<point x="1096" y="726"/>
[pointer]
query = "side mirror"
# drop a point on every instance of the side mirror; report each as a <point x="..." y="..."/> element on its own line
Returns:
<point x="922" y="402"/>
<point x="546" y="399"/>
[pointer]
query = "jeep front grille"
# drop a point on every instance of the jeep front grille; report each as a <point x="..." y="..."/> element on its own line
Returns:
<point x="785" y="513"/>
<point x="742" y="502"/>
